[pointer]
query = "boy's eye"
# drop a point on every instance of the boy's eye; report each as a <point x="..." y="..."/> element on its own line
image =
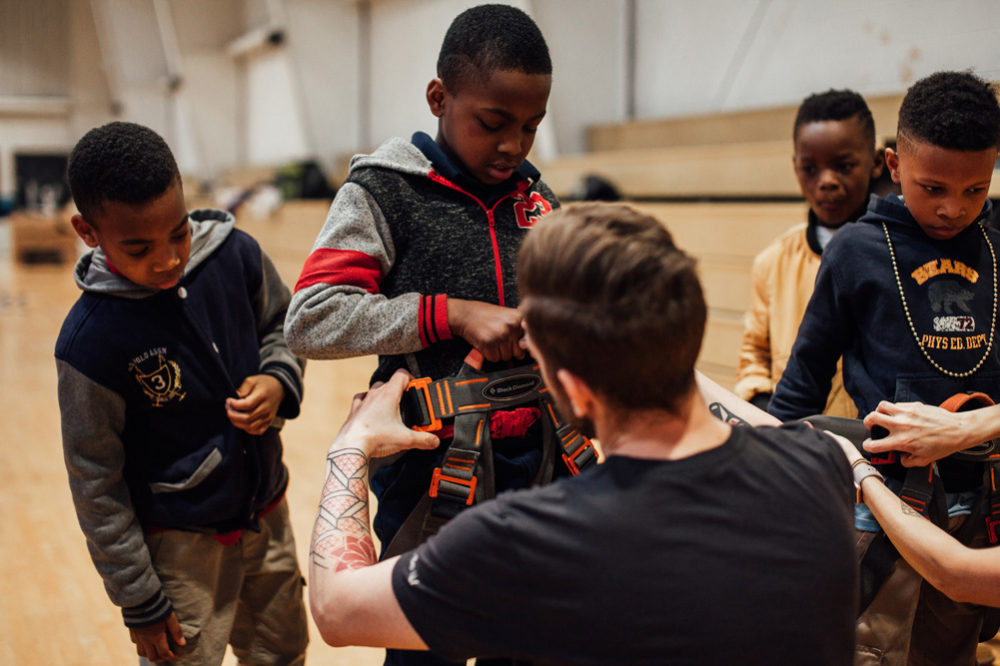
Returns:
<point x="530" y="130"/>
<point x="976" y="190"/>
<point x="138" y="253"/>
<point x="932" y="188"/>
<point x="808" y="169"/>
<point x="846" y="167"/>
<point x="486" y="126"/>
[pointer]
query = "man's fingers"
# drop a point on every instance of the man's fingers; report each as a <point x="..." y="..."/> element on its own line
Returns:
<point x="876" y="445"/>
<point x="426" y="440"/>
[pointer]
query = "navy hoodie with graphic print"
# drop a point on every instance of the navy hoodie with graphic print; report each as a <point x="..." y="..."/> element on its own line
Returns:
<point x="144" y="376"/>
<point x="949" y="287"/>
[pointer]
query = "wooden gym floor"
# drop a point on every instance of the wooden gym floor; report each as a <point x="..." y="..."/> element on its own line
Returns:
<point x="53" y="608"/>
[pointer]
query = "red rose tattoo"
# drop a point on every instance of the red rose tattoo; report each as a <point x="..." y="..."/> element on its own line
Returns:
<point x="342" y="538"/>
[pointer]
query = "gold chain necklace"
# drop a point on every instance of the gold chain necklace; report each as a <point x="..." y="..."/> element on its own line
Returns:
<point x="909" y="320"/>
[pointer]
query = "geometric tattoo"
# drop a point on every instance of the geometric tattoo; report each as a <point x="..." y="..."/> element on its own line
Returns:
<point x="720" y="412"/>
<point x="342" y="537"/>
<point x="909" y="510"/>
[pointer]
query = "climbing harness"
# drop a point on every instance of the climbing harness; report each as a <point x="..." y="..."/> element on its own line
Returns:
<point x="474" y="407"/>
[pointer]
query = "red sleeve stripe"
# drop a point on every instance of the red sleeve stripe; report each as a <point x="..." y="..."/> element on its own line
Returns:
<point x="432" y="324"/>
<point x="341" y="267"/>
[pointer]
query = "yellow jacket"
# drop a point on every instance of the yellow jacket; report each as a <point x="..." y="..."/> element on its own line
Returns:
<point x="783" y="276"/>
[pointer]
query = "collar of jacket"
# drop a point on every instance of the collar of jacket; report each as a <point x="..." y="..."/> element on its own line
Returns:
<point x="447" y="167"/>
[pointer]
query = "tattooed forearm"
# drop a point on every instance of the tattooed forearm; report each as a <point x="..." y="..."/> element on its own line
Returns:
<point x="909" y="510"/>
<point x="342" y="537"/>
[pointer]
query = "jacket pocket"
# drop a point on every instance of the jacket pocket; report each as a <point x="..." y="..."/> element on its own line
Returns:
<point x="933" y="388"/>
<point x="204" y="469"/>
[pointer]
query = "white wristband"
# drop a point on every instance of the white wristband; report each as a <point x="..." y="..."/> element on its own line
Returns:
<point x="862" y="469"/>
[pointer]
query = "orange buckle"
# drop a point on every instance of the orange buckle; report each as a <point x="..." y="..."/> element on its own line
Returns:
<point x="991" y="529"/>
<point x="424" y="384"/>
<point x="438" y="477"/>
<point x="570" y="459"/>
<point x="883" y="459"/>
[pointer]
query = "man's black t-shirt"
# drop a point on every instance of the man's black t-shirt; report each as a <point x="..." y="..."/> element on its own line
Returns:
<point x="744" y="552"/>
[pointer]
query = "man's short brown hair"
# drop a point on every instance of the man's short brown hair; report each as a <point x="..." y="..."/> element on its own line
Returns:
<point x="607" y="295"/>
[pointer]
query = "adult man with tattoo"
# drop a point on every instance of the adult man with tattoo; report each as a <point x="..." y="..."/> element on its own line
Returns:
<point x="694" y="542"/>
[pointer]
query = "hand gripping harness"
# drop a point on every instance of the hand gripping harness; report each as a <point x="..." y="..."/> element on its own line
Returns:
<point x="922" y="489"/>
<point x="470" y="400"/>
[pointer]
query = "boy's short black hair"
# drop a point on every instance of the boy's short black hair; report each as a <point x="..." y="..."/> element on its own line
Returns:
<point x="836" y="105"/>
<point x="122" y="162"/>
<point x="490" y="38"/>
<point x="953" y="110"/>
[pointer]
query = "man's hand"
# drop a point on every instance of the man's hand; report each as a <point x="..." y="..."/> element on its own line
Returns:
<point x="375" y="426"/>
<point x="258" y="402"/>
<point x="920" y="433"/>
<point x="492" y="329"/>
<point x="153" y="642"/>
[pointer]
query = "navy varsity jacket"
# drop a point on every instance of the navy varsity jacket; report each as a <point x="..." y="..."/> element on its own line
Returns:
<point x="143" y="379"/>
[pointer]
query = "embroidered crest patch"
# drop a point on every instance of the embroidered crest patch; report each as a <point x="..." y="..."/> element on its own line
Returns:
<point x="159" y="377"/>
<point x="529" y="209"/>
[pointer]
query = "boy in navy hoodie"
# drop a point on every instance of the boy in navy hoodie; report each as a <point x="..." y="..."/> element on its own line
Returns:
<point x="909" y="296"/>
<point x="416" y="260"/>
<point x="174" y="378"/>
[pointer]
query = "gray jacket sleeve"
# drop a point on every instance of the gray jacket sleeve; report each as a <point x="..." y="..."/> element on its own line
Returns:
<point x="93" y="418"/>
<point x="336" y="315"/>
<point x="276" y="359"/>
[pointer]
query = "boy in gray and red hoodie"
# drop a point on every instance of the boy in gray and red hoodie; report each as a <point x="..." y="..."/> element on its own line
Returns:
<point x="416" y="259"/>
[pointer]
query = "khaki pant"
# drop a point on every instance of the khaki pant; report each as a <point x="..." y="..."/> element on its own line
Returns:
<point x="248" y="595"/>
<point x="910" y="623"/>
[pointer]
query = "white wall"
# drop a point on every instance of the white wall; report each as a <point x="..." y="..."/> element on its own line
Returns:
<point x="308" y="97"/>
<point x="324" y="41"/>
<point x="698" y="56"/>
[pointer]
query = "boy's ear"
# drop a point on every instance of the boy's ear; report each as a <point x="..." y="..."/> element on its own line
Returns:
<point x="84" y="230"/>
<point x="892" y="163"/>
<point x="436" y="94"/>
<point x="582" y="398"/>
<point x="879" y="163"/>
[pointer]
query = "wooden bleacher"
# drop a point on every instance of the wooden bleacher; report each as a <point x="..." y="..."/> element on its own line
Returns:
<point x="725" y="237"/>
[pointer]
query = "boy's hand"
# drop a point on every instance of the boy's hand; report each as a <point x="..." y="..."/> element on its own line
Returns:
<point x="920" y="433"/>
<point x="375" y="426"/>
<point x="153" y="642"/>
<point x="258" y="402"/>
<point x="492" y="329"/>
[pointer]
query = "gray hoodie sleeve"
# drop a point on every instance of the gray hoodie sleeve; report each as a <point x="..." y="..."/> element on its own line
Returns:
<point x="337" y="311"/>
<point x="93" y="418"/>
<point x="276" y="359"/>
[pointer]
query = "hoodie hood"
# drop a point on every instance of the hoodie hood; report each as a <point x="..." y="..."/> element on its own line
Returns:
<point x="422" y="155"/>
<point x="209" y="228"/>
<point x="893" y="211"/>
<point x="396" y="154"/>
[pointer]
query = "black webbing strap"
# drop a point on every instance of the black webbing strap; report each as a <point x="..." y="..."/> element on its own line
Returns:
<point x="578" y="452"/>
<point x="992" y="483"/>
<point x="427" y="402"/>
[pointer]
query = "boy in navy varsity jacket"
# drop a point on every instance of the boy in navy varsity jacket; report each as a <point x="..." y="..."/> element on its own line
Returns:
<point x="174" y="378"/>
<point x="416" y="259"/>
<point x="908" y="295"/>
